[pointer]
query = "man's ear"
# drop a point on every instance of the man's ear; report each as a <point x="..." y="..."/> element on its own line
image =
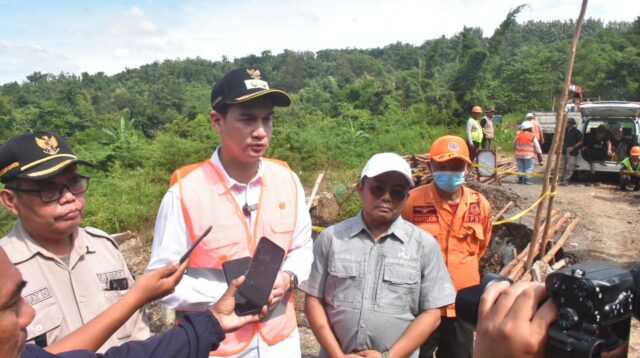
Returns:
<point x="216" y="121"/>
<point x="8" y="199"/>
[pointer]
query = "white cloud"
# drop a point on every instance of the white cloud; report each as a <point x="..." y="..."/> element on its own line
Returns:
<point x="109" y="41"/>
<point x="122" y="52"/>
<point x="19" y="60"/>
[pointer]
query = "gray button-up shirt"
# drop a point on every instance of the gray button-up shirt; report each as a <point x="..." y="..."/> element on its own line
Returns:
<point x="373" y="290"/>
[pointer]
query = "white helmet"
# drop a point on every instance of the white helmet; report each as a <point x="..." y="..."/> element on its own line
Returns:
<point x="526" y="125"/>
<point x="529" y="115"/>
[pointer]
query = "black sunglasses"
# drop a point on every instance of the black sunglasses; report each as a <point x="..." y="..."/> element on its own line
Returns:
<point x="76" y="186"/>
<point x="396" y="194"/>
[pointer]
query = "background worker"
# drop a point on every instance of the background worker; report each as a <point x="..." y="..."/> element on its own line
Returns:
<point x="459" y="218"/>
<point x="244" y="197"/>
<point x="474" y="132"/>
<point x="571" y="148"/>
<point x="619" y="145"/>
<point x="487" y="129"/>
<point x="526" y="148"/>
<point x="377" y="281"/>
<point x="74" y="273"/>
<point x="536" y="128"/>
<point x="597" y="148"/>
<point x="630" y="170"/>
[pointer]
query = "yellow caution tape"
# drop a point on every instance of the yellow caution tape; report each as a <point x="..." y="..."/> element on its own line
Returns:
<point x="508" y="171"/>
<point x="495" y="223"/>
<point x="524" y="212"/>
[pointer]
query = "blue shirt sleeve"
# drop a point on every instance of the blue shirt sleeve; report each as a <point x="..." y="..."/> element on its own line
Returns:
<point x="197" y="334"/>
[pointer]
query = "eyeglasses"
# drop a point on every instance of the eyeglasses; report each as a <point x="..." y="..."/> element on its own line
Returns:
<point x="396" y="194"/>
<point x="76" y="186"/>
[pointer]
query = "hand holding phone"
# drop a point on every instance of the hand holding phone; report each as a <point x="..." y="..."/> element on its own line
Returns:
<point x="195" y="243"/>
<point x="232" y="270"/>
<point x="262" y="273"/>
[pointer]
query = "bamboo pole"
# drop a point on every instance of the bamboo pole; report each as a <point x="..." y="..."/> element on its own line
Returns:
<point x="556" y="145"/>
<point x="563" y="119"/>
<point x="556" y="247"/>
<point x="517" y="271"/>
<point x="501" y="212"/>
<point x="521" y="257"/>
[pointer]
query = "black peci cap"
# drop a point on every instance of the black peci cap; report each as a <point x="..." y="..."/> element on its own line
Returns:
<point x="244" y="84"/>
<point x="35" y="156"/>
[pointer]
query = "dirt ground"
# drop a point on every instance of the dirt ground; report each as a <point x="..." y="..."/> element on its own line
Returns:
<point x="607" y="233"/>
<point x="608" y="228"/>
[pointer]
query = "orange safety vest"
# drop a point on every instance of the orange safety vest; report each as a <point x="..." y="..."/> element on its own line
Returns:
<point x="463" y="236"/>
<point x="524" y="145"/>
<point x="207" y="200"/>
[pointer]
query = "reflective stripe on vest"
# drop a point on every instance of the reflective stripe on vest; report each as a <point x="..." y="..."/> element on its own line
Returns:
<point x="627" y="165"/>
<point x="207" y="200"/>
<point x="524" y="145"/>
<point x="476" y="131"/>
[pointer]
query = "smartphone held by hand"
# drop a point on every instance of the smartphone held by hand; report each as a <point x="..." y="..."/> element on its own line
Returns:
<point x="262" y="272"/>
<point x="232" y="270"/>
<point x="195" y="243"/>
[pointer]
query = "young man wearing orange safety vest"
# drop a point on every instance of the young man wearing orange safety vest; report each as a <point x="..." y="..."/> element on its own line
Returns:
<point x="526" y="147"/>
<point x="244" y="197"/>
<point x="459" y="218"/>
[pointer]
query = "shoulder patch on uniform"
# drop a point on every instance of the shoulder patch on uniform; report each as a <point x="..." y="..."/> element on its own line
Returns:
<point x="101" y="234"/>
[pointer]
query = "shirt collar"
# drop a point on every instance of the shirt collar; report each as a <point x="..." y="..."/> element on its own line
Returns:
<point x="215" y="159"/>
<point x="24" y="246"/>
<point x="397" y="228"/>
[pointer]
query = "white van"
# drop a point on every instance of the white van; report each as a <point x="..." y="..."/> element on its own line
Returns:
<point x="612" y="115"/>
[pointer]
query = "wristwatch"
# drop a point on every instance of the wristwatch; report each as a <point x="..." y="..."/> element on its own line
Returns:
<point x="386" y="354"/>
<point x="294" y="280"/>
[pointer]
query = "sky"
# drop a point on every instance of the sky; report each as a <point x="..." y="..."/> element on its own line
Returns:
<point x="54" y="36"/>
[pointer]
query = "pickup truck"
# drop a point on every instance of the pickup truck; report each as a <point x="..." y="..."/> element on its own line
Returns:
<point x="612" y="115"/>
<point x="548" y="124"/>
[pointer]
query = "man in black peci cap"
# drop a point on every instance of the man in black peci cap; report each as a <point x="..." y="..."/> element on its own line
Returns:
<point x="244" y="197"/>
<point x="74" y="273"/>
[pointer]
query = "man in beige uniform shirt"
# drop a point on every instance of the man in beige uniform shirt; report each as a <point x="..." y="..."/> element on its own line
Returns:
<point x="73" y="273"/>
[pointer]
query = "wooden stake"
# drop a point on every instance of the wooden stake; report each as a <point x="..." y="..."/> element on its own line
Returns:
<point x="501" y="212"/>
<point x="556" y="247"/>
<point x="315" y="189"/>
<point x="553" y="159"/>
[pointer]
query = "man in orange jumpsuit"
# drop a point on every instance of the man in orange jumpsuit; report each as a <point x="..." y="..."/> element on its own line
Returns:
<point x="459" y="218"/>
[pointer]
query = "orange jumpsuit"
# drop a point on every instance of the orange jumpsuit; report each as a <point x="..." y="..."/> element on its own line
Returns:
<point x="463" y="236"/>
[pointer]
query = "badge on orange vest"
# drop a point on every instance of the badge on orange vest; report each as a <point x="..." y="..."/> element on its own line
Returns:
<point x="473" y="214"/>
<point x="425" y="214"/>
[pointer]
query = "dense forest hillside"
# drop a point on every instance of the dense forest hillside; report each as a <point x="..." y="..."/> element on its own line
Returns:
<point x="140" y="124"/>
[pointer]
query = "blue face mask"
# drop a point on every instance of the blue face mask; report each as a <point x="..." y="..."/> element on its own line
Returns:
<point x="448" y="181"/>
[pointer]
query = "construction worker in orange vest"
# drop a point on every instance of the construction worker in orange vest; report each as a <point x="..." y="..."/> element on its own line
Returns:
<point x="526" y="148"/>
<point x="536" y="128"/>
<point x="459" y="218"/>
<point x="244" y="197"/>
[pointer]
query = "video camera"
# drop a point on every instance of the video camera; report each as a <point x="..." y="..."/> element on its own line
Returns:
<point x="595" y="305"/>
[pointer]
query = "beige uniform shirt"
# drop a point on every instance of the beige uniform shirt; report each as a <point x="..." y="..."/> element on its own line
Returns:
<point x="66" y="297"/>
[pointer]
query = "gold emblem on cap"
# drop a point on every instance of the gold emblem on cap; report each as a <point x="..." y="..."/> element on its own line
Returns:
<point x="48" y="144"/>
<point x="254" y="73"/>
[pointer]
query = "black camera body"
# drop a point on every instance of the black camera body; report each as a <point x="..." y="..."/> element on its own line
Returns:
<point x="595" y="305"/>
